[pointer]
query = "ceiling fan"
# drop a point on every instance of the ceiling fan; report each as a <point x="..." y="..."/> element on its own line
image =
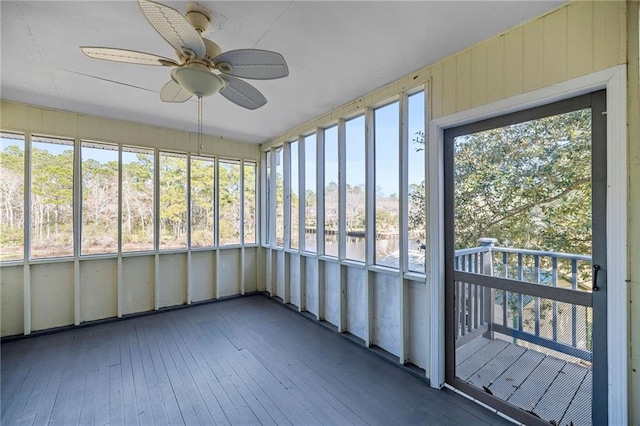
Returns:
<point x="202" y="68"/>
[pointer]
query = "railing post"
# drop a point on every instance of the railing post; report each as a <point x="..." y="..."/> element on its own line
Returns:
<point x="486" y="260"/>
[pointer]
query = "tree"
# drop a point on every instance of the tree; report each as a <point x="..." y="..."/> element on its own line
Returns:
<point x="527" y="184"/>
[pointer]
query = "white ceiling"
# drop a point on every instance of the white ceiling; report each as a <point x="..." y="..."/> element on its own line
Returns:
<point x="337" y="51"/>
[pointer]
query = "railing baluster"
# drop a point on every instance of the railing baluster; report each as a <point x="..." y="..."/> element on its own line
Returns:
<point x="481" y="290"/>
<point x="536" y="278"/>
<point x="463" y="312"/>
<point x="476" y="296"/>
<point x="520" y="304"/>
<point x="554" y="278"/>
<point x="574" y="310"/>
<point x="505" y="293"/>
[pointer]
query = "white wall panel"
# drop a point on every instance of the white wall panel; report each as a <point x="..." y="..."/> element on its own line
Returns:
<point x="52" y="292"/>
<point x="331" y="292"/>
<point x="11" y="300"/>
<point x="311" y="284"/>
<point x="294" y="274"/>
<point x="386" y="320"/>
<point x="418" y="324"/>
<point x="173" y="279"/>
<point x="278" y="285"/>
<point x="137" y="284"/>
<point x="203" y="275"/>
<point x="98" y="289"/>
<point x="250" y="271"/>
<point x="229" y="272"/>
<point x="356" y="306"/>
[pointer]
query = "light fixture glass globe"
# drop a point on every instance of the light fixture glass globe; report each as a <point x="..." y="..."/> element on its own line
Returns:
<point x="198" y="82"/>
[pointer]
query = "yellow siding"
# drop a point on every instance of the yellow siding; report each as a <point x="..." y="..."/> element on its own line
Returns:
<point x="513" y="62"/>
<point x="463" y="81"/>
<point x="478" y="76"/>
<point x="449" y="74"/>
<point x="579" y="39"/>
<point x="554" y="57"/>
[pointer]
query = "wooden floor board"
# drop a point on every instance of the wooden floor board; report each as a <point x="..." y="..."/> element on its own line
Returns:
<point x="245" y="361"/>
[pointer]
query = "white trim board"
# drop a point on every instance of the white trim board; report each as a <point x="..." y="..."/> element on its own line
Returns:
<point x="614" y="80"/>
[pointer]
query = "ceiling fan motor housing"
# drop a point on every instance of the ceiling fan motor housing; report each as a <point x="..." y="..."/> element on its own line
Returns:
<point x="198" y="16"/>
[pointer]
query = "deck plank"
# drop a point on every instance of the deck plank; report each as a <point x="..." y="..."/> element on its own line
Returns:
<point x="467" y="350"/>
<point x="487" y="353"/>
<point x="516" y="374"/>
<point x="579" y="412"/>
<point x="556" y="400"/>
<point x="530" y="392"/>
<point x="488" y="373"/>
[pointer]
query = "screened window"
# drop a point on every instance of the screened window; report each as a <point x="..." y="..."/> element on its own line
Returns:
<point x="249" y="203"/>
<point x="229" y="202"/>
<point x="202" y="201"/>
<point x="295" y="195"/>
<point x="99" y="198"/>
<point x="279" y="198"/>
<point x="173" y="201"/>
<point x="331" y="211"/>
<point x="355" y="188"/>
<point x="310" y="199"/>
<point x="11" y="196"/>
<point x="51" y="197"/>
<point x="416" y="171"/>
<point x="137" y="199"/>
<point x="387" y="163"/>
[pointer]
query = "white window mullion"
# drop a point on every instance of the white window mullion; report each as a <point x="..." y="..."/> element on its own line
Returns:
<point x="320" y="192"/>
<point x="403" y="301"/>
<point x="321" y="284"/>
<point x="342" y="223"/>
<point x="216" y="227"/>
<point x="370" y="232"/>
<point x="242" y="230"/>
<point x="286" y="244"/>
<point x="27" y="235"/>
<point x="77" y="221"/>
<point x="302" y="281"/>
<point x="156" y="227"/>
<point x="189" y="264"/>
<point x="120" y="270"/>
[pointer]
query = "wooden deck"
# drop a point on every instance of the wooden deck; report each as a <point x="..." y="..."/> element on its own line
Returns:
<point x="243" y="361"/>
<point x="555" y="390"/>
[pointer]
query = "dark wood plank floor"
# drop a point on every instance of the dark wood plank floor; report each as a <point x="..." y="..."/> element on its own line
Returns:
<point x="243" y="361"/>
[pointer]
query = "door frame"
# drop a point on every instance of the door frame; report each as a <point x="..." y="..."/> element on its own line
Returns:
<point x="596" y="103"/>
<point x="614" y="80"/>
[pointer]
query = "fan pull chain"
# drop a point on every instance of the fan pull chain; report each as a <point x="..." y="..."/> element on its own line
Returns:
<point x="199" y="124"/>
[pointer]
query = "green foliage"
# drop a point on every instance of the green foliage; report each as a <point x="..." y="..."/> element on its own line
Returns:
<point x="527" y="184"/>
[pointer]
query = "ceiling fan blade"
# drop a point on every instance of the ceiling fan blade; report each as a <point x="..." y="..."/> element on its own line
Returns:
<point x="173" y="27"/>
<point x="127" y="56"/>
<point x="252" y="63"/>
<point x="242" y="93"/>
<point x="172" y="92"/>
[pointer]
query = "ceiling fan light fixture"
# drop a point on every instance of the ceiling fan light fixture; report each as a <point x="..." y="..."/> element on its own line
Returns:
<point x="198" y="82"/>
